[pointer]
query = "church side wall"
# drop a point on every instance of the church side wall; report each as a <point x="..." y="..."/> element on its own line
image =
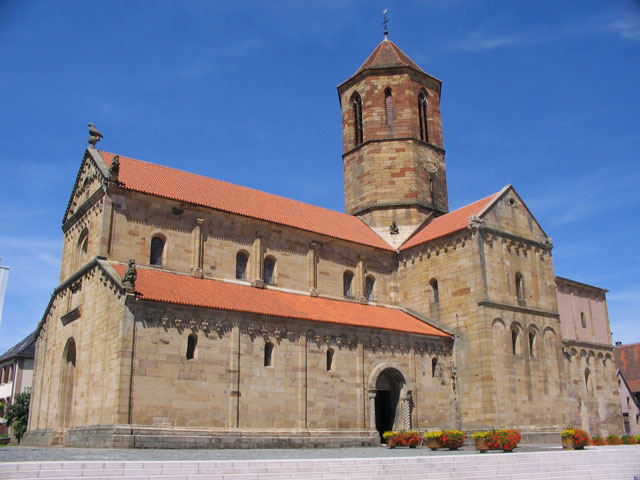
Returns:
<point x="97" y="379"/>
<point x="226" y="388"/>
<point x="594" y="400"/>
<point x="138" y="218"/>
<point x="574" y="301"/>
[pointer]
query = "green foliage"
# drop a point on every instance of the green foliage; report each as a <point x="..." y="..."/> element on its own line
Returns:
<point x="17" y="414"/>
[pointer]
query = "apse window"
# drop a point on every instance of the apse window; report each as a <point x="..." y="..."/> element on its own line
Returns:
<point x="347" y="281"/>
<point x="241" y="265"/>
<point x="268" y="354"/>
<point x="434" y="366"/>
<point x="368" y="287"/>
<point x="157" y="250"/>
<point x="514" y="341"/>
<point x="434" y="289"/>
<point x="192" y="343"/>
<point x="330" y="353"/>
<point x="583" y="320"/>
<point x="269" y="270"/>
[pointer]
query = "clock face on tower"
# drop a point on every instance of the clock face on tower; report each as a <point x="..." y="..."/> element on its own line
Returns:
<point x="427" y="161"/>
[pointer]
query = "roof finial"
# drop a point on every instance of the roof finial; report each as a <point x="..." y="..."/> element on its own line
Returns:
<point x="386" y="20"/>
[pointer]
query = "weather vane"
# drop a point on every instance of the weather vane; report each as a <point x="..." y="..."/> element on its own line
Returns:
<point x="386" y="20"/>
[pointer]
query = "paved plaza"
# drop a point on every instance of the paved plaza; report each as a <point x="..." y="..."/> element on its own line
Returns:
<point x="32" y="454"/>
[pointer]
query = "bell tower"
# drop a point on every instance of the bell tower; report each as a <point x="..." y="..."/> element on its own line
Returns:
<point x="393" y="155"/>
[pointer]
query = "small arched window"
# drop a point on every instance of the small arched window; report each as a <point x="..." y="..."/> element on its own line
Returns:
<point x="388" y="104"/>
<point x="157" y="250"/>
<point x="434" y="288"/>
<point x="269" y="269"/>
<point x="192" y="343"/>
<point x="83" y="246"/>
<point x="422" y="111"/>
<point x="347" y="280"/>
<point x="369" y="283"/>
<point x="583" y="319"/>
<point x="268" y="354"/>
<point x="330" y="354"/>
<point x="519" y="286"/>
<point x="532" y="339"/>
<point x="241" y="265"/>
<point x="434" y="366"/>
<point x="587" y="380"/>
<point x="357" y="118"/>
<point x="514" y="341"/>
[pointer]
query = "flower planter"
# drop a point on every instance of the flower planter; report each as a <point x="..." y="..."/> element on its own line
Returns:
<point x="402" y="439"/>
<point x="434" y="444"/>
<point x="5" y="441"/>
<point x="481" y="445"/>
<point x="574" y="439"/>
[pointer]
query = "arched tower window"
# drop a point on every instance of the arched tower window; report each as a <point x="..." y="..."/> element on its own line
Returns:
<point x="83" y="246"/>
<point x="369" y="283"/>
<point x="388" y="104"/>
<point x="519" y="286"/>
<point x="241" y="265"/>
<point x="434" y="288"/>
<point x="268" y="354"/>
<point x="422" y="111"/>
<point x="514" y="341"/>
<point x="192" y="343"/>
<point x="357" y="118"/>
<point x="434" y="366"/>
<point x="347" y="280"/>
<point x="157" y="250"/>
<point x="269" y="269"/>
<point x="532" y="339"/>
<point x="330" y="353"/>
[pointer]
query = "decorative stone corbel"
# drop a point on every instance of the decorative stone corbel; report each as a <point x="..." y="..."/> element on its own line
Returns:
<point x="475" y="223"/>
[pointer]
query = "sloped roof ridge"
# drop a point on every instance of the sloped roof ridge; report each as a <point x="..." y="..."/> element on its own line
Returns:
<point x="283" y="211"/>
<point x="451" y="222"/>
<point x="170" y="287"/>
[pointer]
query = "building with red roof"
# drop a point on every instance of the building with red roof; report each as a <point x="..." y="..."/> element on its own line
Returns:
<point x="192" y="312"/>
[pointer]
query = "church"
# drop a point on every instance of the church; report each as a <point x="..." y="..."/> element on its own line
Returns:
<point x="195" y="313"/>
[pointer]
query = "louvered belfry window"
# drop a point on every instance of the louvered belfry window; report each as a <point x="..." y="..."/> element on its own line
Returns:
<point x="357" y="115"/>
<point x="422" y="109"/>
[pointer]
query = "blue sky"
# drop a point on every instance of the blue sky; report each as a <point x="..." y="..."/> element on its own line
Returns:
<point x="543" y="95"/>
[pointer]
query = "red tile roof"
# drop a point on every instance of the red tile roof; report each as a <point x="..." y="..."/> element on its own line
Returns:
<point x="449" y="223"/>
<point x="166" y="182"/>
<point x="385" y="55"/>
<point x="628" y="360"/>
<point x="162" y="286"/>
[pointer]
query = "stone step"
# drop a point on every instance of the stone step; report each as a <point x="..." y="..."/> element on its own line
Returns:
<point x="619" y="464"/>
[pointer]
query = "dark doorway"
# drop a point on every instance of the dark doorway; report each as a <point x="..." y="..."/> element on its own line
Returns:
<point x="388" y="386"/>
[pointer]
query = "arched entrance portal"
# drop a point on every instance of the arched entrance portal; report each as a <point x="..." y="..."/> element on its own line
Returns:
<point x="389" y="412"/>
<point x="66" y="382"/>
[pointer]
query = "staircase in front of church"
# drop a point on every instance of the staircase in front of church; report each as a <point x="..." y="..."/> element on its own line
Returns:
<point x="619" y="463"/>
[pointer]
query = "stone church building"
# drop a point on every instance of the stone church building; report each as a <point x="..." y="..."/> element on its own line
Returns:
<point x="196" y="313"/>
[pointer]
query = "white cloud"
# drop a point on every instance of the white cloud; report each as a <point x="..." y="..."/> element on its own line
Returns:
<point x="628" y="28"/>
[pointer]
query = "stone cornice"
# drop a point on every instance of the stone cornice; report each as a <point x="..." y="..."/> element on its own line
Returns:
<point x="398" y="139"/>
<point x="97" y="262"/>
<point x="515" y="308"/>
<point x="432" y="81"/>
<point x="516" y="238"/>
<point x="84" y="208"/>
<point x="575" y="284"/>
<point x="577" y="343"/>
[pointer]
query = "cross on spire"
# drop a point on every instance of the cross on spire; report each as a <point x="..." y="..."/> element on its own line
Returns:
<point x="386" y="20"/>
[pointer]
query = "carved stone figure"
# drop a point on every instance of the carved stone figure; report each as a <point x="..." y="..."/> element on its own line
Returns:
<point x="94" y="135"/>
<point x="129" y="278"/>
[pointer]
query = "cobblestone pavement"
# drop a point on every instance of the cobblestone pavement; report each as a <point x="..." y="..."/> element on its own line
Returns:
<point x="32" y="454"/>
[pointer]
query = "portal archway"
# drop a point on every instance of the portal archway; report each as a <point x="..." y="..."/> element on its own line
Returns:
<point x="389" y="399"/>
<point x="66" y="382"/>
